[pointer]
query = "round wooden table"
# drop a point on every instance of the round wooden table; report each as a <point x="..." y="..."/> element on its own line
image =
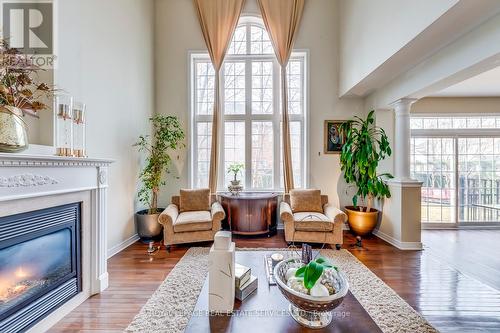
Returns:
<point x="250" y="213"/>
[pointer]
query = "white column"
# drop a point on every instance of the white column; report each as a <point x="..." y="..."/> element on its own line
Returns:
<point x="402" y="139"/>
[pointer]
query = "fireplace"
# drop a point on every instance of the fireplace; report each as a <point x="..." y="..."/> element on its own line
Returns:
<point x="39" y="264"/>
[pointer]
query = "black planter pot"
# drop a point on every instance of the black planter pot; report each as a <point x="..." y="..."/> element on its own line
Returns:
<point x="147" y="225"/>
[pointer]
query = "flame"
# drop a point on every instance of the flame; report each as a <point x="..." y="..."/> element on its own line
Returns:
<point x="20" y="273"/>
<point x="13" y="286"/>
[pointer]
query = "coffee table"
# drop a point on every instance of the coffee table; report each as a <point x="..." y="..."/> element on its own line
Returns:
<point x="266" y="309"/>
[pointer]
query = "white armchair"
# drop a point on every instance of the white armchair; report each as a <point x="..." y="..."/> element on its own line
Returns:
<point x="324" y="225"/>
<point x="190" y="226"/>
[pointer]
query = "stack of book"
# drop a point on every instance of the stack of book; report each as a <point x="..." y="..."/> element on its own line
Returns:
<point x="245" y="282"/>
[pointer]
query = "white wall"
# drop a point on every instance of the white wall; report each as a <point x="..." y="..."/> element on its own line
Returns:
<point x="457" y="105"/>
<point x="373" y="31"/>
<point x="177" y="32"/>
<point x="105" y="51"/>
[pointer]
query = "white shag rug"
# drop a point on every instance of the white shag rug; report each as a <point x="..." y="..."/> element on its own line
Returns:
<point x="170" y="307"/>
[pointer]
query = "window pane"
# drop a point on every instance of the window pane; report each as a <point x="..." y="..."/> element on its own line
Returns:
<point x="262" y="155"/>
<point x="260" y="42"/>
<point x="479" y="180"/>
<point x="295" y="91"/>
<point x="238" y="44"/>
<point x="234" y="88"/>
<point x="262" y="87"/>
<point x="433" y="163"/>
<point x="452" y="122"/>
<point x="205" y="80"/>
<point x="203" y="144"/>
<point x="234" y="148"/>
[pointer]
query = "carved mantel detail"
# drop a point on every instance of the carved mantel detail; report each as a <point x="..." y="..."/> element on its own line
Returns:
<point x="26" y="180"/>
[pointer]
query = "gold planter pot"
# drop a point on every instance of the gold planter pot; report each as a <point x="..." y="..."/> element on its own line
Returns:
<point x="361" y="223"/>
<point x="13" y="136"/>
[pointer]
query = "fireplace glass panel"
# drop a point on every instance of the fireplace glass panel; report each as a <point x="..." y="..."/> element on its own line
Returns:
<point x="33" y="266"/>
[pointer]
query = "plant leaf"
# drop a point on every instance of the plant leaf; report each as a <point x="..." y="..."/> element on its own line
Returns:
<point x="313" y="273"/>
<point x="300" y="272"/>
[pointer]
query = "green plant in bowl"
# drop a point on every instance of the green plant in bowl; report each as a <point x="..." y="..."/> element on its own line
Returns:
<point x="313" y="271"/>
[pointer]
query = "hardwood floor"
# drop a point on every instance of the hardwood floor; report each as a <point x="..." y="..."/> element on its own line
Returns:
<point x="472" y="252"/>
<point x="451" y="301"/>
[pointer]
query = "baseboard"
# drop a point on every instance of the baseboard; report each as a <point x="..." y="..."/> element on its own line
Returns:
<point x="123" y="245"/>
<point x="397" y="243"/>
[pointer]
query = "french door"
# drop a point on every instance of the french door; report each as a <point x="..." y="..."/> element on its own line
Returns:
<point x="460" y="174"/>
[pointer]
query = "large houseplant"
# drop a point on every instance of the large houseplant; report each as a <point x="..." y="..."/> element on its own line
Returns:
<point x="21" y="93"/>
<point x="167" y="137"/>
<point x="365" y="146"/>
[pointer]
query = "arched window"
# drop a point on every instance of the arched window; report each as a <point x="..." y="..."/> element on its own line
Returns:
<point x="251" y="111"/>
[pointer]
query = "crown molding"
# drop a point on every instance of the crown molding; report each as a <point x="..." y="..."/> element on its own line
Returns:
<point x="24" y="160"/>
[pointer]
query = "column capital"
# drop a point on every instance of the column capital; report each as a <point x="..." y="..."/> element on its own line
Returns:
<point x="403" y="102"/>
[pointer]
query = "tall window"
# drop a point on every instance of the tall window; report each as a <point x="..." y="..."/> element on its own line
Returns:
<point x="458" y="160"/>
<point x="251" y="112"/>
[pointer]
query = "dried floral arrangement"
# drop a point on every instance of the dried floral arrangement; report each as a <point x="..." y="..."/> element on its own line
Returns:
<point x="20" y="86"/>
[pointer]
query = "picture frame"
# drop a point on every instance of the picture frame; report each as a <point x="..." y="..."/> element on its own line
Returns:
<point x="333" y="142"/>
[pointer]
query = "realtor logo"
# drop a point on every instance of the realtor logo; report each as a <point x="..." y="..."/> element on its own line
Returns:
<point x="28" y="26"/>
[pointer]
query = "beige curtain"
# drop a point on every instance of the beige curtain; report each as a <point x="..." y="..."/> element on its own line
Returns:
<point x="218" y="20"/>
<point x="282" y="19"/>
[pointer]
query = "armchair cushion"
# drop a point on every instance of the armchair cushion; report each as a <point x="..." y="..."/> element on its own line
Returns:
<point x="193" y="221"/>
<point x="195" y="200"/>
<point x="306" y="201"/>
<point x="312" y="221"/>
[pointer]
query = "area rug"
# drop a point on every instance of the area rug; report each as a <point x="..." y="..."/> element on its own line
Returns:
<point x="170" y="307"/>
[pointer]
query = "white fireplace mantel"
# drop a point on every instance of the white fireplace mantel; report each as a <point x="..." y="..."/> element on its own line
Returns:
<point x="28" y="181"/>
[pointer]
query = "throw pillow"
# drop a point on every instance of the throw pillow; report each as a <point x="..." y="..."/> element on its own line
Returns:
<point x="306" y="201"/>
<point x="194" y="200"/>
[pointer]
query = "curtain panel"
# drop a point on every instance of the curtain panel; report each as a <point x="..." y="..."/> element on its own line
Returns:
<point x="282" y="20"/>
<point x="218" y="20"/>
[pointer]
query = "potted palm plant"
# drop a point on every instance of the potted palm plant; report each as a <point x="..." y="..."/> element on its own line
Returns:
<point x="167" y="137"/>
<point x="365" y="146"/>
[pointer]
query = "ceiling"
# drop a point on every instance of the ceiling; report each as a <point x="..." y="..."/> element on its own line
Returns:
<point x="486" y="84"/>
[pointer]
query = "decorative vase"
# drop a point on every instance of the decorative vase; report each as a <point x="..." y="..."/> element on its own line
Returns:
<point x="309" y="311"/>
<point x="147" y="225"/>
<point x="64" y="124"/>
<point x="79" y="129"/>
<point x="361" y="223"/>
<point x="221" y="283"/>
<point x="13" y="136"/>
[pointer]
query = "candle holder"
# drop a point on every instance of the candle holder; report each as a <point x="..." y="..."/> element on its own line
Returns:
<point x="79" y="129"/>
<point x="64" y="125"/>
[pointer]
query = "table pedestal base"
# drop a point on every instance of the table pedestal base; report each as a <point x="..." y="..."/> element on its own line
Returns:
<point x="310" y="319"/>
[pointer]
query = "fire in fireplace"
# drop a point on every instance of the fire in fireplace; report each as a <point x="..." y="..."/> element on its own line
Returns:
<point x="39" y="260"/>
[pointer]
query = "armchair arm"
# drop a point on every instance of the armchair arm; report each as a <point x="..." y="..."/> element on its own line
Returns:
<point x="169" y="216"/>
<point x="286" y="214"/>
<point x="217" y="212"/>
<point x="334" y="214"/>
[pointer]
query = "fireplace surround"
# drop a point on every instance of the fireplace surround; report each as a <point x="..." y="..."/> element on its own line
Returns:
<point x="37" y="187"/>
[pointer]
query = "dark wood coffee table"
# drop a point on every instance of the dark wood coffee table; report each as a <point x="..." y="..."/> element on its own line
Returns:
<point x="266" y="310"/>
